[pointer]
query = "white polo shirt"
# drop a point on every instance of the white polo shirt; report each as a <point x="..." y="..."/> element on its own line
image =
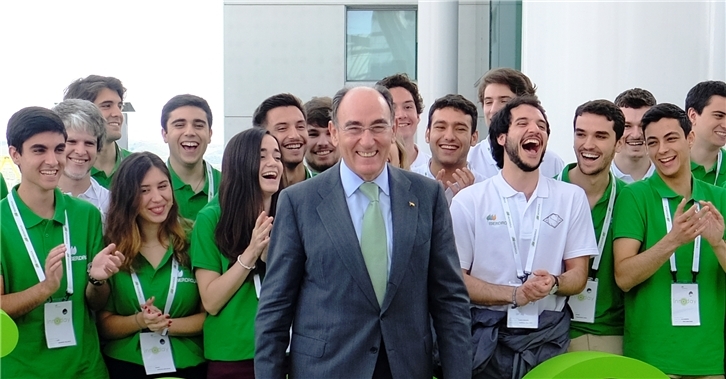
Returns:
<point x="481" y="160"/>
<point x="421" y="158"/>
<point x="482" y="237"/>
<point x="626" y="177"/>
<point x="425" y="170"/>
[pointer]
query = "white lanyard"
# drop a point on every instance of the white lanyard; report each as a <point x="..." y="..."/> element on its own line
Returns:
<point x="606" y="223"/>
<point x="696" y="244"/>
<point x="31" y="250"/>
<point x="210" y="177"/>
<point x="718" y="166"/>
<point x="172" y="286"/>
<point x="522" y="274"/>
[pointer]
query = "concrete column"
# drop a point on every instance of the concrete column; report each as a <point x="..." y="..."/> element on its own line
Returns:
<point x="438" y="52"/>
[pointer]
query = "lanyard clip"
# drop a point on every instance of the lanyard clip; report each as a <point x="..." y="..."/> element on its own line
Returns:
<point x="675" y="277"/>
<point x="524" y="277"/>
<point x="695" y="276"/>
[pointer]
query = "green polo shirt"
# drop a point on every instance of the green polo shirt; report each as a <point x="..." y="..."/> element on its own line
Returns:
<point x="187" y="351"/>
<point x="32" y="358"/>
<point x="100" y="175"/>
<point x="609" y="305"/>
<point x="3" y="187"/>
<point x="709" y="176"/>
<point x="649" y="335"/>
<point x="190" y="202"/>
<point x="230" y="335"/>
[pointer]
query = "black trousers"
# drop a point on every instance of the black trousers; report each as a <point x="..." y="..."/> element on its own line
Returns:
<point x="126" y="370"/>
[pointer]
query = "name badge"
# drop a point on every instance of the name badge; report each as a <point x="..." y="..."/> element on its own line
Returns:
<point x="156" y="353"/>
<point x="583" y="304"/>
<point x="684" y="305"/>
<point x="59" y="325"/>
<point x="526" y="316"/>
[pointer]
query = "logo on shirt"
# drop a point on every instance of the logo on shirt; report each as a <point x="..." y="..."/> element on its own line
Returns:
<point x="75" y="256"/>
<point x="492" y="220"/>
<point x="186" y="280"/>
<point x="554" y="220"/>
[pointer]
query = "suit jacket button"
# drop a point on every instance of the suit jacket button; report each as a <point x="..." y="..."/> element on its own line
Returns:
<point x="374" y="350"/>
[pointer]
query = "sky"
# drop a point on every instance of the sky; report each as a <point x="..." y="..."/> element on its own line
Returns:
<point x="157" y="48"/>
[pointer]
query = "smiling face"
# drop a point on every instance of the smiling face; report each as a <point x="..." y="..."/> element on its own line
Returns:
<point x="287" y="124"/>
<point x="321" y="154"/>
<point x="42" y="160"/>
<point x="270" y="165"/>
<point x="668" y="147"/>
<point x="594" y="143"/>
<point x="188" y="134"/>
<point x="495" y="96"/>
<point x="526" y="141"/>
<point x="81" y="153"/>
<point x="710" y="125"/>
<point x="364" y="132"/>
<point x="404" y="108"/>
<point x="450" y="137"/>
<point x="156" y="197"/>
<point x="633" y="143"/>
<point x="111" y="106"/>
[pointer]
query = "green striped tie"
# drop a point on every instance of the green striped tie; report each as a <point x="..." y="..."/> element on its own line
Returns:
<point x="373" y="241"/>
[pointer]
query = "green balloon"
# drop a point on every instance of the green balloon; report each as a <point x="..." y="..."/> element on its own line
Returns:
<point x="8" y="334"/>
<point x="594" y="365"/>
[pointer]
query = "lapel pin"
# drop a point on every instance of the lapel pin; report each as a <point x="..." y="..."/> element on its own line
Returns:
<point x="411" y="204"/>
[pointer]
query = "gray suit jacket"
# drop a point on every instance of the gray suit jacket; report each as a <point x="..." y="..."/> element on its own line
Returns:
<point x="317" y="281"/>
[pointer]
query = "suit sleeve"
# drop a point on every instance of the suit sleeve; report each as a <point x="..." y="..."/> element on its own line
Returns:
<point x="448" y="298"/>
<point x="278" y="297"/>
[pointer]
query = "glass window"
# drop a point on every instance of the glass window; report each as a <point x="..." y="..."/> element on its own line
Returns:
<point x="380" y="42"/>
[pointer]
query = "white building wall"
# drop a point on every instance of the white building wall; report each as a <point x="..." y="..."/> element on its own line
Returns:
<point x="580" y="51"/>
<point x="289" y="46"/>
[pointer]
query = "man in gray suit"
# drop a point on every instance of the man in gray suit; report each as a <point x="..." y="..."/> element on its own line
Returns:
<point x="363" y="273"/>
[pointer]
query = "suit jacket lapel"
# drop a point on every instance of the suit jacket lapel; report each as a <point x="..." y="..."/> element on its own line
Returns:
<point x="404" y="211"/>
<point x="334" y="214"/>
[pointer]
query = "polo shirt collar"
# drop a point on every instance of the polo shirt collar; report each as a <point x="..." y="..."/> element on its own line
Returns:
<point x="351" y="181"/>
<point x="542" y="189"/>
<point x="145" y="265"/>
<point x="695" y="165"/>
<point x="30" y="219"/>
<point x="662" y="189"/>
<point x="177" y="183"/>
<point x="605" y="195"/>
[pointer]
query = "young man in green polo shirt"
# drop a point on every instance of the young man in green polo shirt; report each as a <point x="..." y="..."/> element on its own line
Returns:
<point x="48" y="239"/>
<point x="597" y="323"/>
<point x="670" y="256"/>
<point x="706" y="109"/>
<point x="108" y="95"/>
<point x="186" y="125"/>
<point x="283" y="116"/>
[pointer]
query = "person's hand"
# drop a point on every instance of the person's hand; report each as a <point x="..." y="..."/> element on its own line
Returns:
<point x="260" y="234"/>
<point x="714" y="229"/>
<point x="463" y="177"/>
<point x="689" y="224"/>
<point x="153" y="318"/>
<point x="538" y="285"/>
<point x="106" y="263"/>
<point x="54" y="268"/>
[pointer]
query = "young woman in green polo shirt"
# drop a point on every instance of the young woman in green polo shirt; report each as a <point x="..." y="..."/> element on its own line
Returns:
<point x="229" y="243"/>
<point x="153" y="319"/>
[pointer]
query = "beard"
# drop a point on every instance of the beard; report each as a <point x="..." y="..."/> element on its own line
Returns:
<point x="319" y="168"/>
<point x="512" y="150"/>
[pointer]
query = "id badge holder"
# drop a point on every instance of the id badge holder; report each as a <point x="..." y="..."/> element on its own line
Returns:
<point x="583" y="304"/>
<point x="685" y="305"/>
<point x="58" y="319"/>
<point x="156" y="353"/>
<point x="526" y="316"/>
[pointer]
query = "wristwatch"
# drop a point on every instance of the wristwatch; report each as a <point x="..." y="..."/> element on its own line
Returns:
<point x="556" y="286"/>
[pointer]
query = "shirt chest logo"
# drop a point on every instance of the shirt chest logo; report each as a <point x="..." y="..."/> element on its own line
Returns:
<point x="75" y="256"/>
<point x="554" y="220"/>
<point x="492" y="220"/>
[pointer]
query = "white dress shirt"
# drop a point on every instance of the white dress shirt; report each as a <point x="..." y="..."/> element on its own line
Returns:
<point x="98" y="196"/>
<point x="626" y="177"/>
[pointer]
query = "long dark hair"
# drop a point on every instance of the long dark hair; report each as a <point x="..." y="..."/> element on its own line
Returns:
<point x="122" y="223"/>
<point x="240" y="195"/>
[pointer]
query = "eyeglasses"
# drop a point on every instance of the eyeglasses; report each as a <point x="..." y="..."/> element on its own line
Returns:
<point x="355" y="130"/>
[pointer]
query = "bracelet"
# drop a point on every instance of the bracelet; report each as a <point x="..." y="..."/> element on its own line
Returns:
<point x="137" y="321"/>
<point x="95" y="281"/>
<point x="239" y="260"/>
<point x="514" y="298"/>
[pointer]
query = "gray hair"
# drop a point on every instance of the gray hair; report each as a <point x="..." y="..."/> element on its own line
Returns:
<point x="83" y="116"/>
<point x="338" y="98"/>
